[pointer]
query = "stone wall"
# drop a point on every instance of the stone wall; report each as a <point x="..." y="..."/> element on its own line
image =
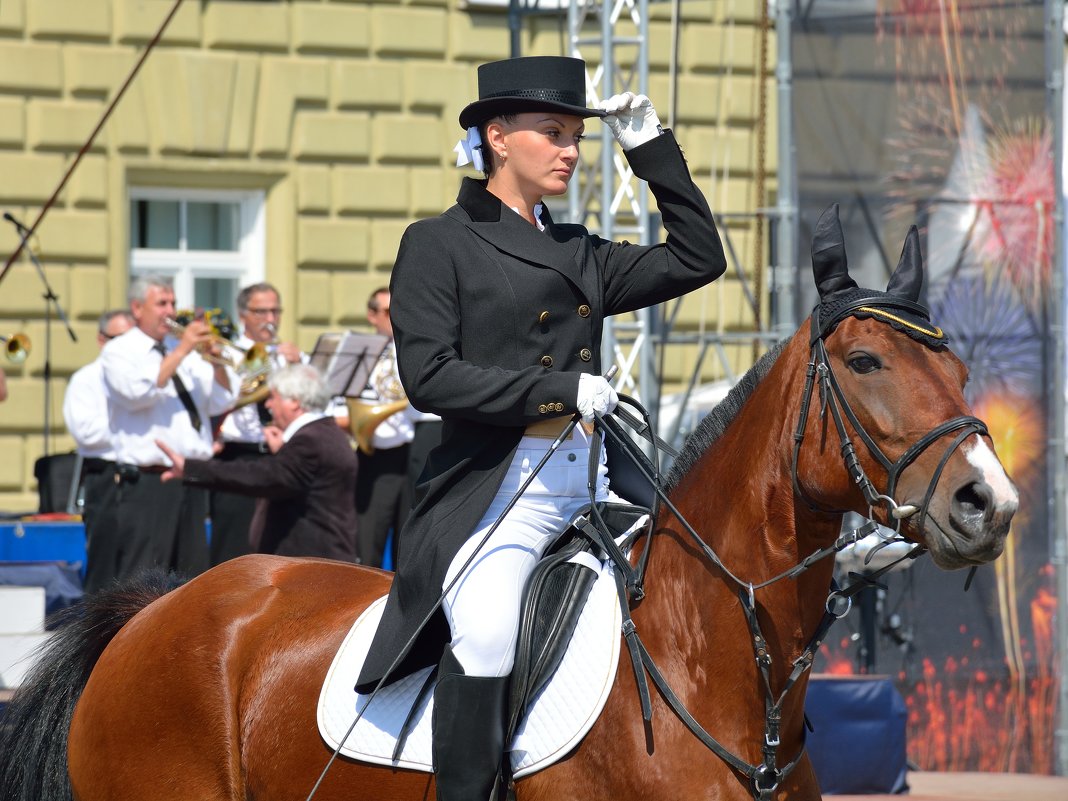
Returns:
<point x="342" y="113"/>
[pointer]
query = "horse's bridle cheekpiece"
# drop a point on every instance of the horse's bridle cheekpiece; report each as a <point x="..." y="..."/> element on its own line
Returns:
<point x="898" y="307"/>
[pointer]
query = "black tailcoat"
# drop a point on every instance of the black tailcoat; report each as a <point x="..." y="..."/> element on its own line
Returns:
<point x="308" y="484"/>
<point x="494" y="322"/>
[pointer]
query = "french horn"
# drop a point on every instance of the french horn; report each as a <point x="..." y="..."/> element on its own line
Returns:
<point x="365" y="417"/>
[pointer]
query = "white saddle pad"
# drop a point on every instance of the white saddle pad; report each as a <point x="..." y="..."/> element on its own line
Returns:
<point x="561" y="714"/>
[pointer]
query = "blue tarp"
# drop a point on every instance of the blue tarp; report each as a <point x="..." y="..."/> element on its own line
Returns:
<point x="858" y="745"/>
<point x="62" y="581"/>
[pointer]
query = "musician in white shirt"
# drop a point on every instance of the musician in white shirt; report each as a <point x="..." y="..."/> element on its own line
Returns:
<point x="85" y="410"/>
<point x="162" y="388"/>
<point x="259" y="308"/>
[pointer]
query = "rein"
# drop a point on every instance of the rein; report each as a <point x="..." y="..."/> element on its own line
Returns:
<point x="765" y="778"/>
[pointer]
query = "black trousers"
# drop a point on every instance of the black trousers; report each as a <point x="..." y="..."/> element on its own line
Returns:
<point x="160" y="525"/>
<point x="99" y="514"/>
<point x="231" y="513"/>
<point x="383" y="500"/>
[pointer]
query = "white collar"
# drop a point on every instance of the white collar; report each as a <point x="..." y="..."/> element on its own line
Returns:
<point x="538" y="208"/>
<point x="299" y="423"/>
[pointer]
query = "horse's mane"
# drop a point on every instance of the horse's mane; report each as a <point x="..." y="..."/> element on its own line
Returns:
<point x="716" y="421"/>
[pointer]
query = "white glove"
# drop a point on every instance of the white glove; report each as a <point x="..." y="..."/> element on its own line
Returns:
<point x="632" y="119"/>
<point x="595" y="394"/>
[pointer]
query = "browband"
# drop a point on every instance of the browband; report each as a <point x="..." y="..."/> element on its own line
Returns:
<point x="880" y="306"/>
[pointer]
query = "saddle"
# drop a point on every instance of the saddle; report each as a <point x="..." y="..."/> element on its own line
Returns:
<point x="556" y="592"/>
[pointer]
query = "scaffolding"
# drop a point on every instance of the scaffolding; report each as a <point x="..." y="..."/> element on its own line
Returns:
<point x="611" y="36"/>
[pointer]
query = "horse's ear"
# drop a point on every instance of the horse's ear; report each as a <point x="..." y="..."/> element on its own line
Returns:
<point x="829" y="266"/>
<point x="907" y="279"/>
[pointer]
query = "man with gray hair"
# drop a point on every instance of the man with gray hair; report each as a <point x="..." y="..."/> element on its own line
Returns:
<point x="162" y="385"/>
<point x="86" y="412"/>
<point x="309" y="508"/>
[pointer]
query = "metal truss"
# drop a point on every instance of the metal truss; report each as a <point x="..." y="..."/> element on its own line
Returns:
<point x="612" y="37"/>
<point x="607" y="198"/>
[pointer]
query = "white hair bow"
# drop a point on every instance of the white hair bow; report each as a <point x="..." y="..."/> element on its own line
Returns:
<point x="469" y="150"/>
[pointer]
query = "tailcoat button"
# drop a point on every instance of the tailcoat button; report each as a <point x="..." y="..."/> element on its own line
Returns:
<point x="586" y="354"/>
<point x="546" y="361"/>
<point x="584" y="310"/>
<point x="543" y="408"/>
<point x="559" y="406"/>
<point x="543" y="317"/>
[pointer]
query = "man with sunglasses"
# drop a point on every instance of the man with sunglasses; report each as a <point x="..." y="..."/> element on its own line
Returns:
<point x="259" y="309"/>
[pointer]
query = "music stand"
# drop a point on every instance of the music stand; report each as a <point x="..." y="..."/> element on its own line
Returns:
<point x="346" y="360"/>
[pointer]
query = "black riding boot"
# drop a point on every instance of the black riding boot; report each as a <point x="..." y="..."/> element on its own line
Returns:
<point x="468" y="732"/>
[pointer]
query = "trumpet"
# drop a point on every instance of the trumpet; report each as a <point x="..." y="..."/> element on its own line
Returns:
<point x="222" y="330"/>
<point x="16" y="347"/>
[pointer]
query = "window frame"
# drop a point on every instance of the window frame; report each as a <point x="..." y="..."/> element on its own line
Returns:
<point x="184" y="266"/>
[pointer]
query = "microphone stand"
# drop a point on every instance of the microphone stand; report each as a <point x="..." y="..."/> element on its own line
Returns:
<point x="50" y="300"/>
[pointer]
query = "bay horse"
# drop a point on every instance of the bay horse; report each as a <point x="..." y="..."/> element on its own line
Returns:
<point x="208" y="691"/>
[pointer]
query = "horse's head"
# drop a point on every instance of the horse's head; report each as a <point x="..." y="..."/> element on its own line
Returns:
<point x="891" y="397"/>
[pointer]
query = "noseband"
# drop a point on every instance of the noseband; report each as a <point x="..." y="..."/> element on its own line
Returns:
<point x="832" y="397"/>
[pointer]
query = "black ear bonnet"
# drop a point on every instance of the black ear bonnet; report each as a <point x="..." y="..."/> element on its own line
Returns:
<point x="900" y="313"/>
<point x="840" y="297"/>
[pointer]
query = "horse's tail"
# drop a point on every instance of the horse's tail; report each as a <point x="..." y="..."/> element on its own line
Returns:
<point x="34" y="727"/>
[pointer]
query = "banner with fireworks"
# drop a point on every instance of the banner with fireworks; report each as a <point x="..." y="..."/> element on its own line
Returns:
<point x="933" y="112"/>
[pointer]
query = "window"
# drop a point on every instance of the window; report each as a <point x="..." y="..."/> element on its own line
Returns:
<point x="210" y="242"/>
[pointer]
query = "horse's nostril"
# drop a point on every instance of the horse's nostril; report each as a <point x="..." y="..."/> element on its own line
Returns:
<point x="972" y="501"/>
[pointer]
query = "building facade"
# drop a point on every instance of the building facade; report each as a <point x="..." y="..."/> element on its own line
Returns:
<point x="293" y="142"/>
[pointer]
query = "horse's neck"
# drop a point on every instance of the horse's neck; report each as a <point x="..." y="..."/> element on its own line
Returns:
<point x="739" y="498"/>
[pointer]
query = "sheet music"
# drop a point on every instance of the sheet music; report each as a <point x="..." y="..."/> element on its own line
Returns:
<point x="346" y="359"/>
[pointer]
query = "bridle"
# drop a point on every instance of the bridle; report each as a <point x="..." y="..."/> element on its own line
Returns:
<point x="765" y="778"/>
<point x="832" y="398"/>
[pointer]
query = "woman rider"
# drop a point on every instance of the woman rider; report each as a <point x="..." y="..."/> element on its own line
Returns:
<point x="497" y="314"/>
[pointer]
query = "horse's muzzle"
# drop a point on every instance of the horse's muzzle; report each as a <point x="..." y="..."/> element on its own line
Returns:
<point x="971" y="530"/>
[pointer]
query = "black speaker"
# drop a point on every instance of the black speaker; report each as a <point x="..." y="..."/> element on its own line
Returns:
<point x="55" y="478"/>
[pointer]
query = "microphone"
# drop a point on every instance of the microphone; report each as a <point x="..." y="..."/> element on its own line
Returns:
<point x="11" y="219"/>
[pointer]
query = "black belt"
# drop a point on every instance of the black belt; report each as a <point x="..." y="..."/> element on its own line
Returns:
<point x="236" y="448"/>
<point x="131" y="473"/>
<point x="92" y="464"/>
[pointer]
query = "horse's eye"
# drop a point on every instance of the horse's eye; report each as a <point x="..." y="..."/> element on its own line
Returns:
<point x="864" y="364"/>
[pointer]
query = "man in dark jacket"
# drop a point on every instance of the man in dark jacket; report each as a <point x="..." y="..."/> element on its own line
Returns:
<point x="307" y="483"/>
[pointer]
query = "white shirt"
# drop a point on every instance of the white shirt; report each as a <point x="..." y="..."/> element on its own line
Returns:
<point x="299" y="423"/>
<point x="243" y="425"/>
<point x="141" y="412"/>
<point x="85" y="410"/>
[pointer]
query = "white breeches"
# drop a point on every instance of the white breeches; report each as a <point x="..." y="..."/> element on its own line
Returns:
<point x="483" y="606"/>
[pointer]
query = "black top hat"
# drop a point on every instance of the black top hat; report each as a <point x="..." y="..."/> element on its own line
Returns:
<point x="531" y="83"/>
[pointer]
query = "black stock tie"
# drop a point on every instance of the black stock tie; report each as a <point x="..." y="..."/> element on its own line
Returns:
<point x="183" y="393"/>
